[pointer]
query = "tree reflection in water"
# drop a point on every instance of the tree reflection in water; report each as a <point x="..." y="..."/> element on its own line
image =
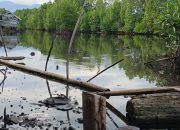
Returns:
<point x="90" y="50"/>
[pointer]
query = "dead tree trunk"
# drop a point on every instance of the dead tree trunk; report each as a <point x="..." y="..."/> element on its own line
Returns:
<point x="154" y="111"/>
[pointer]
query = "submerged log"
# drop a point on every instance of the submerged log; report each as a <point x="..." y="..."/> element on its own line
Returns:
<point x="12" y="58"/>
<point x="154" y="111"/>
<point x="53" y="77"/>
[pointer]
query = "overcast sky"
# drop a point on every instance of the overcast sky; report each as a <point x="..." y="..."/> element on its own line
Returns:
<point x="29" y="2"/>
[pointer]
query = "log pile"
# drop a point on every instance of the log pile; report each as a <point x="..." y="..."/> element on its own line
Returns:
<point x="154" y="110"/>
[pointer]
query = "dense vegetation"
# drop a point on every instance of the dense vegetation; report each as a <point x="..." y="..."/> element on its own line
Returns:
<point x="2" y="10"/>
<point x="140" y="16"/>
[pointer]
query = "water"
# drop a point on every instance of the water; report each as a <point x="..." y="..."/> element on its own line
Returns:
<point x="90" y="54"/>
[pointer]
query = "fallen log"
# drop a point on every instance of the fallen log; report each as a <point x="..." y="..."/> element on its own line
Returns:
<point x="12" y="58"/>
<point x="154" y="111"/>
<point x="139" y="91"/>
<point x="54" y="77"/>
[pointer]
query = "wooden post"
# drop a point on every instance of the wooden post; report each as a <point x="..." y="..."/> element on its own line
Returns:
<point x="94" y="111"/>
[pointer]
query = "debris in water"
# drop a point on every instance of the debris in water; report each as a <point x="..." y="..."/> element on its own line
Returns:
<point x="38" y="115"/>
<point x="72" y="128"/>
<point x="64" y="107"/>
<point x="32" y="53"/>
<point x="23" y="98"/>
<point x="78" y="78"/>
<point x="61" y="102"/>
<point x="57" y="67"/>
<point x="80" y="120"/>
<point x="26" y="120"/>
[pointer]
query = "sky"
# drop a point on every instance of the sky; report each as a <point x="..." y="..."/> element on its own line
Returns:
<point x="28" y="2"/>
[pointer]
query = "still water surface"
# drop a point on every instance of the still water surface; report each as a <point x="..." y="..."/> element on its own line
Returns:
<point x="90" y="54"/>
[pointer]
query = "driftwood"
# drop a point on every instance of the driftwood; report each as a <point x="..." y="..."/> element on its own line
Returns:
<point x="53" y="77"/>
<point x="12" y="58"/>
<point x="154" y="111"/>
<point x="140" y="91"/>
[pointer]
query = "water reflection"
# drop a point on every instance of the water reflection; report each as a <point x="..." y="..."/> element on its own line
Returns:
<point x="3" y="72"/>
<point x="10" y="41"/>
<point x="90" y="54"/>
<point x="92" y="51"/>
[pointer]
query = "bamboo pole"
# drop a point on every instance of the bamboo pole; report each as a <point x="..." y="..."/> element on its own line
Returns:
<point x="53" y="77"/>
<point x="140" y="91"/>
<point x="12" y="58"/>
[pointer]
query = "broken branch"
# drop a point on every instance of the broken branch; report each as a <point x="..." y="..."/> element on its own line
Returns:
<point x="105" y="70"/>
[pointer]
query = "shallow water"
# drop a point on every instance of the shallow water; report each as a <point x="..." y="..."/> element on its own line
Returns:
<point x="90" y="54"/>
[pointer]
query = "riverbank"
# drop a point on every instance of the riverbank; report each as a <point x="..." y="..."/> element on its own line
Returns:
<point x="69" y="32"/>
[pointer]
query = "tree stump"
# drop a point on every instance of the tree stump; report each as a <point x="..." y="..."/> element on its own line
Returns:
<point x="154" y="110"/>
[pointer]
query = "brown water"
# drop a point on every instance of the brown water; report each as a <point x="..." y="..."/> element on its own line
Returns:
<point x="90" y="54"/>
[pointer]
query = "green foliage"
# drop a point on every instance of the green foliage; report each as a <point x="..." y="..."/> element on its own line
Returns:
<point x="60" y="15"/>
<point x="139" y="16"/>
<point x="129" y="16"/>
<point x="170" y="18"/>
<point x="2" y="10"/>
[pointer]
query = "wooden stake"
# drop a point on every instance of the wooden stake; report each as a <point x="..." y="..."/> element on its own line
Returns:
<point x="94" y="111"/>
<point x="53" y="77"/>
